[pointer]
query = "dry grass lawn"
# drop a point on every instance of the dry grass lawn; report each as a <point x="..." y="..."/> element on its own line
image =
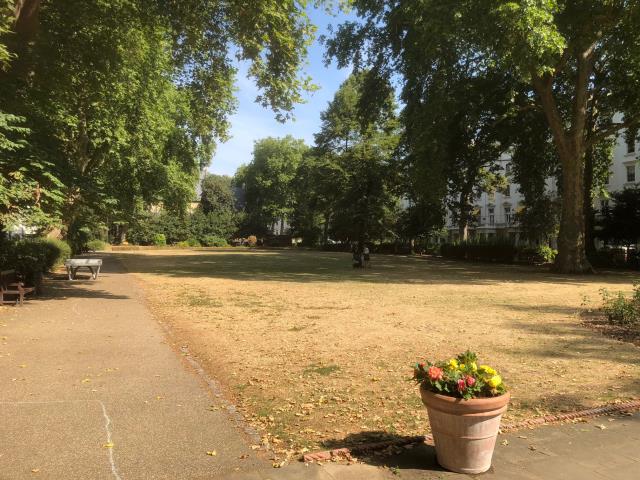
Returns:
<point x="316" y="354"/>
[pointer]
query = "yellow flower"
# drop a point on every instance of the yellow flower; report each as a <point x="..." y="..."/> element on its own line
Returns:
<point x="462" y="366"/>
<point x="453" y="363"/>
<point x="487" y="369"/>
<point x="473" y="366"/>
<point x="495" y="381"/>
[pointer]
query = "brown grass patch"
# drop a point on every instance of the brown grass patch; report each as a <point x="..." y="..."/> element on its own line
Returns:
<point x="317" y="354"/>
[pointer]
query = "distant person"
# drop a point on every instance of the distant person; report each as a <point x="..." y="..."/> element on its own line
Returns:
<point x="357" y="256"/>
<point x="366" y="257"/>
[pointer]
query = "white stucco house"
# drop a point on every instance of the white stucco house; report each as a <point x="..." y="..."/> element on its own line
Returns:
<point x="496" y="211"/>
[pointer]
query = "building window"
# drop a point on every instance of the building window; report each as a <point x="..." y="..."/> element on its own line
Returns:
<point x="631" y="143"/>
<point x="492" y="216"/>
<point x="507" y="190"/>
<point x="507" y="169"/>
<point x="631" y="173"/>
<point x="508" y="216"/>
<point x="604" y="205"/>
<point x="492" y="196"/>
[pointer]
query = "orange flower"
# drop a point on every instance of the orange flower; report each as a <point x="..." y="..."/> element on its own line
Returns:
<point x="435" y="373"/>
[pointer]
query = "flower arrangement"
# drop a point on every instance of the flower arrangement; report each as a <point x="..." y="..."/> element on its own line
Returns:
<point x="459" y="377"/>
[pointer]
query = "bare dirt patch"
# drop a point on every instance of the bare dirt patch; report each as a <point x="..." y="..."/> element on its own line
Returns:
<point x="597" y="320"/>
<point x="316" y="354"/>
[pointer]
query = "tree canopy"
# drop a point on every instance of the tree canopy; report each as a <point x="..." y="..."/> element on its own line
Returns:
<point x="579" y="62"/>
<point x="124" y="101"/>
<point x="267" y="182"/>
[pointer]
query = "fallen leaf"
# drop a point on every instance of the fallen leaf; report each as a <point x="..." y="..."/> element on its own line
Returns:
<point x="35" y="470"/>
<point x="108" y="445"/>
<point x="212" y="453"/>
<point x="601" y="427"/>
<point x="533" y="447"/>
<point x="504" y="443"/>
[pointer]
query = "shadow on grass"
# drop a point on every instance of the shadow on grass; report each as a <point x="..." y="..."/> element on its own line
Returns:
<point x="309" y="266"/>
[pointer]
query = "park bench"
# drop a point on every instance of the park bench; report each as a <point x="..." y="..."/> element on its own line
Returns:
<point x="75" y="264"/>
<point x="12" y="286"/>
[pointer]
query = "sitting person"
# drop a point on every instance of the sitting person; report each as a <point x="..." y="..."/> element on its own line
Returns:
<point x="357" y="257"/>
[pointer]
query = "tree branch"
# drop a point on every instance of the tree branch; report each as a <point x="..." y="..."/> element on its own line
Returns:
<point x="611" y="130"/>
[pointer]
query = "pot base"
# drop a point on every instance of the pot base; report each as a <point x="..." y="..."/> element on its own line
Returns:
<point x="464" y="431"/>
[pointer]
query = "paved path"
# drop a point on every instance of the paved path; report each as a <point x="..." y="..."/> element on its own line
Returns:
<point x="86" y="366"/>
<point x="580" y="451"/>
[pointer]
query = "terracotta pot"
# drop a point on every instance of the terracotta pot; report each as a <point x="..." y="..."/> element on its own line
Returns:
<point x="464" y="431"/>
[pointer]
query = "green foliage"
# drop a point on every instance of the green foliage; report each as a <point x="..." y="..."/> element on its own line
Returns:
<point x="498" y="251"/>
<point x="268" y="182"/>
<point x="214" y="241"/>
<point x="33" y="257"/>
<point x="619" y="308"/>
<point x="96" y="245"/>
<point x="346" y="187"/>
<point x="218" y="223"/>
<point x="620" y="224"/>
<point x="125" y="100"/>
<point x="547" y="253"/>
<point x="159" y="240"/>
<point x="190" y="242"/>
<point x="217" y="194"/>
<point x="574" y="65"/>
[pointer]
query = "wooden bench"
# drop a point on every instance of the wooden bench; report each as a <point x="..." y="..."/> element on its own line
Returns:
<point x="12" y="286"/>
<point x="75" y="264"/>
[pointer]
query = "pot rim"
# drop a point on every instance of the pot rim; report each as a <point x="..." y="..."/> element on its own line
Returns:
<point x="460" y="405"/>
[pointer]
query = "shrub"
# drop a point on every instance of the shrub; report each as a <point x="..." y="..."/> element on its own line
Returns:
<point x="33" y="257"/>
<point x="96" y="245"/>
<point x="252" y="240"/>
<point x="546" y="253"/>
<point x="58" y="251"/>
<point x="471" y="250"/>
<point x="620" y="309"/>
<point x="214" y="241"/>
<point x="190" y="242"/>
<point x="159" y="240"/>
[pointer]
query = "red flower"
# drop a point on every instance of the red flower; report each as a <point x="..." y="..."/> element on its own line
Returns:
<point x="435" y="373"/>
<point x="471" y="381"/>
<point x="421" y="366"/>
<point x="462" y="385"/>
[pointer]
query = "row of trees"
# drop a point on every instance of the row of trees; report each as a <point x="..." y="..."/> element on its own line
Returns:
<point x="346" y="187"/>
<point x="552" y="81"/>
<point x="108" y="107"/>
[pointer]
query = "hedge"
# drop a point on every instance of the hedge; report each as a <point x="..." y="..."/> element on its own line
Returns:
<point x="488" y="252"/>
<point x="33" y="257"/>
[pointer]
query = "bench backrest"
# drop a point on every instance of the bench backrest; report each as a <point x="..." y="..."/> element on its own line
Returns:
<point x="7" y="277"/>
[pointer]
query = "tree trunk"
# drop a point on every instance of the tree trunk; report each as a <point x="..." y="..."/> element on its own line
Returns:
<point x="463" y="221"/>
<point x="26" y="13"/>
<point x="571" y="239"/>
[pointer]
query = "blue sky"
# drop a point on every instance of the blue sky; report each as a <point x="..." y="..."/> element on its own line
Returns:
<point x="252" y="122"/>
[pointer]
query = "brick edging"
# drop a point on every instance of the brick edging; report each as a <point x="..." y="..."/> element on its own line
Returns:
<point x="348" y="452"/>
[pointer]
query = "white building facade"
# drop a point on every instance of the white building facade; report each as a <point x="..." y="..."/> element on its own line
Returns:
<point x="496" y="212"/>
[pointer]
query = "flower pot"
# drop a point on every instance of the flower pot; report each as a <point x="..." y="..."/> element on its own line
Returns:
<point x="464" y="431"/>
